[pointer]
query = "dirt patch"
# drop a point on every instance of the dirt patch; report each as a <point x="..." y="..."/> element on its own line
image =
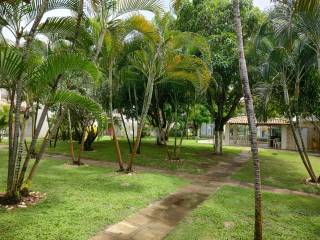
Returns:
<point x="32" y="199"/>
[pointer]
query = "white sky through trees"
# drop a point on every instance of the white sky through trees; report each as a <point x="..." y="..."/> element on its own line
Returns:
<point x="262" y="4"/>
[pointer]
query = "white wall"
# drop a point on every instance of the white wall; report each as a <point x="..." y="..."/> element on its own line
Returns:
<point x="284" y="137"/>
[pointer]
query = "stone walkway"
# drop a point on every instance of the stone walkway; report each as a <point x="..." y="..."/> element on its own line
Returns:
<point x="156" y="220"/>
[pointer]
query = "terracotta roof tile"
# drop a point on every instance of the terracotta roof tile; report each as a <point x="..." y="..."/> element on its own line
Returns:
<point x="242" y="120"/>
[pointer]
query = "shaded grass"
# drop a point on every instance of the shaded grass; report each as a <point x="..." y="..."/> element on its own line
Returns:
<point x="197" y="157"/>
<point x="220" y="217"/>
<point x="282" y="169"/>
<point x="80" y="200"/>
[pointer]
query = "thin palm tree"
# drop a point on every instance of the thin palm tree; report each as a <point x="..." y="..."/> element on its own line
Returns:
<point x="251" y="121"/>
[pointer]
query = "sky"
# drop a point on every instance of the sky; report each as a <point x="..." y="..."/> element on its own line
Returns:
<point x="262" y="4"/>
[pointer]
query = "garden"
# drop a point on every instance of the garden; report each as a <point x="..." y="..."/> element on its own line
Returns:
<point x="115" y="118"/>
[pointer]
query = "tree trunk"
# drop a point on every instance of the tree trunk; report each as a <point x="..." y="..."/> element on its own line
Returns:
<point x="11" y="165"/>
<point x="217" y="147"/>
<point x="118" y="150"/>
<point x="184" y="133"/>
<point x="297" y="137"/>
<point x="318" y="59"/>
<point x="145" y="108"/>
<point x="83" y="138"/>
<point x="70" y="138"/>
<point x="14" y="135"/>
<point x="251" y="121"/>
<point x="126" y="131"/>
<point x="32" y="145"/>
<point x="218" y="136"/>
<point x="99" y="45"/>
<point x="45" y="144"/>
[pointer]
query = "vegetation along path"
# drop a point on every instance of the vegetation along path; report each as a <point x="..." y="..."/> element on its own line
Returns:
<point x="159" y="218"/>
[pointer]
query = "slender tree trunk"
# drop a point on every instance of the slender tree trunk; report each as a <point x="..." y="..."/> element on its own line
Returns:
<point x="297" y="137"/>
<point x="45" y="144"/>
<point x="70" y="138"/>
<point x="126" y="131"/>
<point x="14" y="138"/>
<point x="118" y="150"/>
<point x="133" y="131"/>
<point x="184" y="132"/>
<point x="19" y="158"/>
<point x="145" y="108"/>
<point x="32" y="145"/>
<point x="304" y="149"/>
<point x="11" y="166"/>
<point x="83" y="139"/>
<point x="251" y="121"/>
<point x="318" y="59"/>
<point x="99" y="44"/>
<point x="137" y="114"/>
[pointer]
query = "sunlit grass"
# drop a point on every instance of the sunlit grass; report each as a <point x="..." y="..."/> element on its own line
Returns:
<point x="229" y="214"/>
<point x="80" y="200"/>
<point x="283" y="169"/>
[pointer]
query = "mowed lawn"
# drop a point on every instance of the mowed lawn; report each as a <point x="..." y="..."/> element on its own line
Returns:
<point x="80" y="200"/>
<point x="196" y="157"/>
<point x="229" y="214"/>
<point x="281" y="169"/>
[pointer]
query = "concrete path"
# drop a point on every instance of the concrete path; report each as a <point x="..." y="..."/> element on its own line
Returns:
<point x="156" y="220"/>
<point x="270" y="189"/>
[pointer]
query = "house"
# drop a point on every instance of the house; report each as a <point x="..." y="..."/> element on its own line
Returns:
<point x="273" y="133"/>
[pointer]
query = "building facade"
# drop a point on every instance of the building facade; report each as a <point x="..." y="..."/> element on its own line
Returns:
<point x="274" y="133"/>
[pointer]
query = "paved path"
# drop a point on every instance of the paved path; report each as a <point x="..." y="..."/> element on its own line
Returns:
<point x="270" y="189"/>
<point x="156" y="220"/>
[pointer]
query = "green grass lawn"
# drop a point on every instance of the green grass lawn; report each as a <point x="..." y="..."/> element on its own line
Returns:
<point x="221" y="217"/>
<point x="197" y="157"/>
<point x="283" y="169"/>
<point x="80" y="200"/>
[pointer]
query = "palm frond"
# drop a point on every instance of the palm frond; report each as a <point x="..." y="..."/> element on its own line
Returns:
<point x="192" y="43"/>
<point x="10" y="63"/>
<point x="64" y="28"/>
<point x="127" y="6"/>
<point x="34" y="6"/>
<point x="58" y="64"/>
<point x="307" y="6"/>
<point x="188" y="68"/>
<point x="140" y="24"/>
<point x="71" y="98"/>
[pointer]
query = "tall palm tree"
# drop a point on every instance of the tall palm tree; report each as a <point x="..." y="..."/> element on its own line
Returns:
<point x="251" y="121"/>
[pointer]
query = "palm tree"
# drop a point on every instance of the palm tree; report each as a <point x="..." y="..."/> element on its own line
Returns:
<point x="251" y="121"/>
<point x="40" y="79"/>
<point x="106" y="25"/>
<point x="160" y="60"/>
<point x="295" y="26"/>
<point x="16" y="17"/>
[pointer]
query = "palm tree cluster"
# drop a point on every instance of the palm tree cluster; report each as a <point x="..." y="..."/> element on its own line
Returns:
<point x="288" y="61"/>
<point x="105" y="57"/>
<point x="63" y="65"/>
